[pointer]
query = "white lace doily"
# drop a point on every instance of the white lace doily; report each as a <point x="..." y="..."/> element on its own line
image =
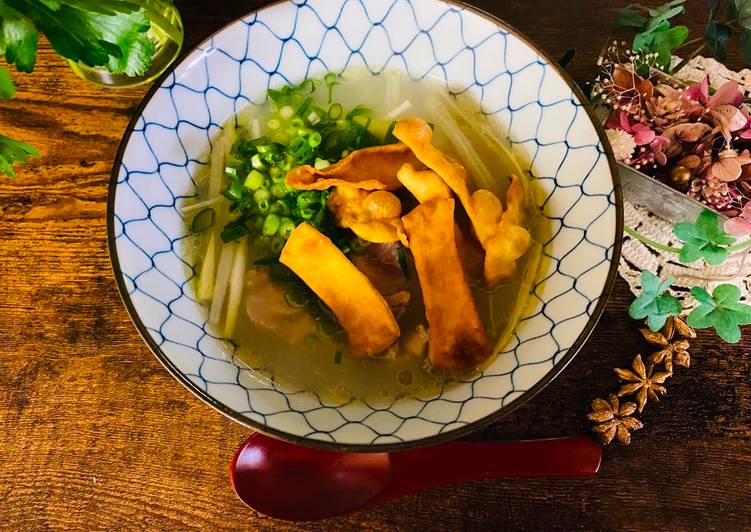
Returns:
<point x="636" y="256"/>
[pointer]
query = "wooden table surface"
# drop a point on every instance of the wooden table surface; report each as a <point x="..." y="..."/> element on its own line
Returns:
<point x="94" y="433"/>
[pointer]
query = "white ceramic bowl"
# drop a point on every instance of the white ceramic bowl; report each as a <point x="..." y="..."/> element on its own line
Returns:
<point x="540" y="110"/>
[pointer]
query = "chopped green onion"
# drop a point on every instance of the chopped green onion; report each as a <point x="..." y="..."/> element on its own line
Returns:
<point x="338" y="357"/>
<point x="271" y="225"/>
<point x="286" y="226"/>
<point x="286" y="112"/>
<point x="255" y="180"/>
<point x="234" y="192"/>
<point x="263" y="206"/>
<point x="315" y="139"/>
<point x="261" y="243"/>
<point x="279" y="207"/>
<point x="320" y="164"/>
<point x="257" y="163"/>
<point x="203" y="220"/>
<point x="358" y="245"/>
<point x="297" y="122"/>
<point x="266" y="148"/>
<point x="277" y="191"/>
<point x="335" y="111"/>
<point x="390" y="138"/>
<point x="234" y="230"/>
<point x="275" y="172"/>
<point x="277" y="244"/>
<point x="230" y="171"/>
<point x="313" y="118"/>
<point x="261" y="194"/>
<point x="308" y="197"/>
<point x="273" y="124"/>
<point x="304" y="106"/>
<point x="304" y="85"/>
<point x="295" y="297"/>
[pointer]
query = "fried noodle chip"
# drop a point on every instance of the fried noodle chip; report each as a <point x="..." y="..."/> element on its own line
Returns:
<point x="372" y="168"/>
<point x="457" y="338"/>
<point x="360" y="308"/>
<point x="374" y="216"/>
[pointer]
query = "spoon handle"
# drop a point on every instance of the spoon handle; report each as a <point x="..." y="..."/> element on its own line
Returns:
<point x="448" y="463"/>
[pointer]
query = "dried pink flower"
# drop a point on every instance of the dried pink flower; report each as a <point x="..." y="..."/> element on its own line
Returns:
<point x="641" y="132"/>
<point x="740" y="226"/>
<point x="728" y="166"/>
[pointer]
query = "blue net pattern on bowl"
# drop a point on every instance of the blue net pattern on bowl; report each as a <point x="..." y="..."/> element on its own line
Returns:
<point x="285" y="43"/>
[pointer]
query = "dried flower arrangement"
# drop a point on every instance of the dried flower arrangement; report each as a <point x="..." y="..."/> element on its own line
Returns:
<point x="697" y="139"/>
<point x="693" y="137"/>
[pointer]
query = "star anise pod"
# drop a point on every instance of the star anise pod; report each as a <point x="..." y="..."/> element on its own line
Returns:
<point x="676" y="351"/>
<point x="614" y="420"/>
<point x="642" y="382"/>
<point x="682" y="328"/>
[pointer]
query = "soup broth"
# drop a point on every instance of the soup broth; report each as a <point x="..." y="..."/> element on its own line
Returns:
<point x="295" y="351"/>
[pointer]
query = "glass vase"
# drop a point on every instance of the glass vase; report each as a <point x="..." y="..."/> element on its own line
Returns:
<point x="167" y="34"/>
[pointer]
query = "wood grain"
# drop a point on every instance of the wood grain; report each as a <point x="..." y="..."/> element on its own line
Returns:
<point x="94" y="434"/>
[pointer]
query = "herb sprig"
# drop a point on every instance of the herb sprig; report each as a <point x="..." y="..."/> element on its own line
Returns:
<point x="113" y="34"/>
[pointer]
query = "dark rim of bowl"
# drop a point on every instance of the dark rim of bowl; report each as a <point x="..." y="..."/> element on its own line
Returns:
<point x="374" y="447"/>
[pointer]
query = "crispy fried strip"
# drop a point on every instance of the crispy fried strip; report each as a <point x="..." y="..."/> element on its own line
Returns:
<point x="416" y="133"/>
<point x="361" y="310"/>
<point x="368" y="168"/>
<point x="374" y="216"/>
<point x="510" y="241"/>
<point x="424" y="185"/>
<point x="457" y="337"/>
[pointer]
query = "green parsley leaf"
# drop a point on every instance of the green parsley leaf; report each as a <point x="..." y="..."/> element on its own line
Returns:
<point x="705" y="238"/>
<point x="18" y="39"/>
<point x="7" y="89"/>
<point x="13" y="151"/>
<point x="113" y="35"/>
<point x="722" y="310"/>
<point x="653" y="303"/>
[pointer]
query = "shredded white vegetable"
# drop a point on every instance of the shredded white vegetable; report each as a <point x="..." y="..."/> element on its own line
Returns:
<point x="208" y="272"/>
<point x="392" y="90"/>
<point x="237" y="280"/>
<point x="187" y="210"/>
<point x="255" y="128"/>
<point x="398" y="110"/>
<point x="466" y="152"/>
<point x="481" y="129"/>
<point x="222" y="279"/>
<point x="216" y="166"/>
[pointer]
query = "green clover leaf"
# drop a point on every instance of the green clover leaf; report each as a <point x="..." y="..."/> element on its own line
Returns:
<point x="721" y="310"/>
<point x="653" y="303"/>
<point x="703" y="239"/>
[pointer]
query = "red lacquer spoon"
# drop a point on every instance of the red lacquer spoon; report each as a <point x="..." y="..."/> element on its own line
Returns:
<point x="294" y="483"/>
